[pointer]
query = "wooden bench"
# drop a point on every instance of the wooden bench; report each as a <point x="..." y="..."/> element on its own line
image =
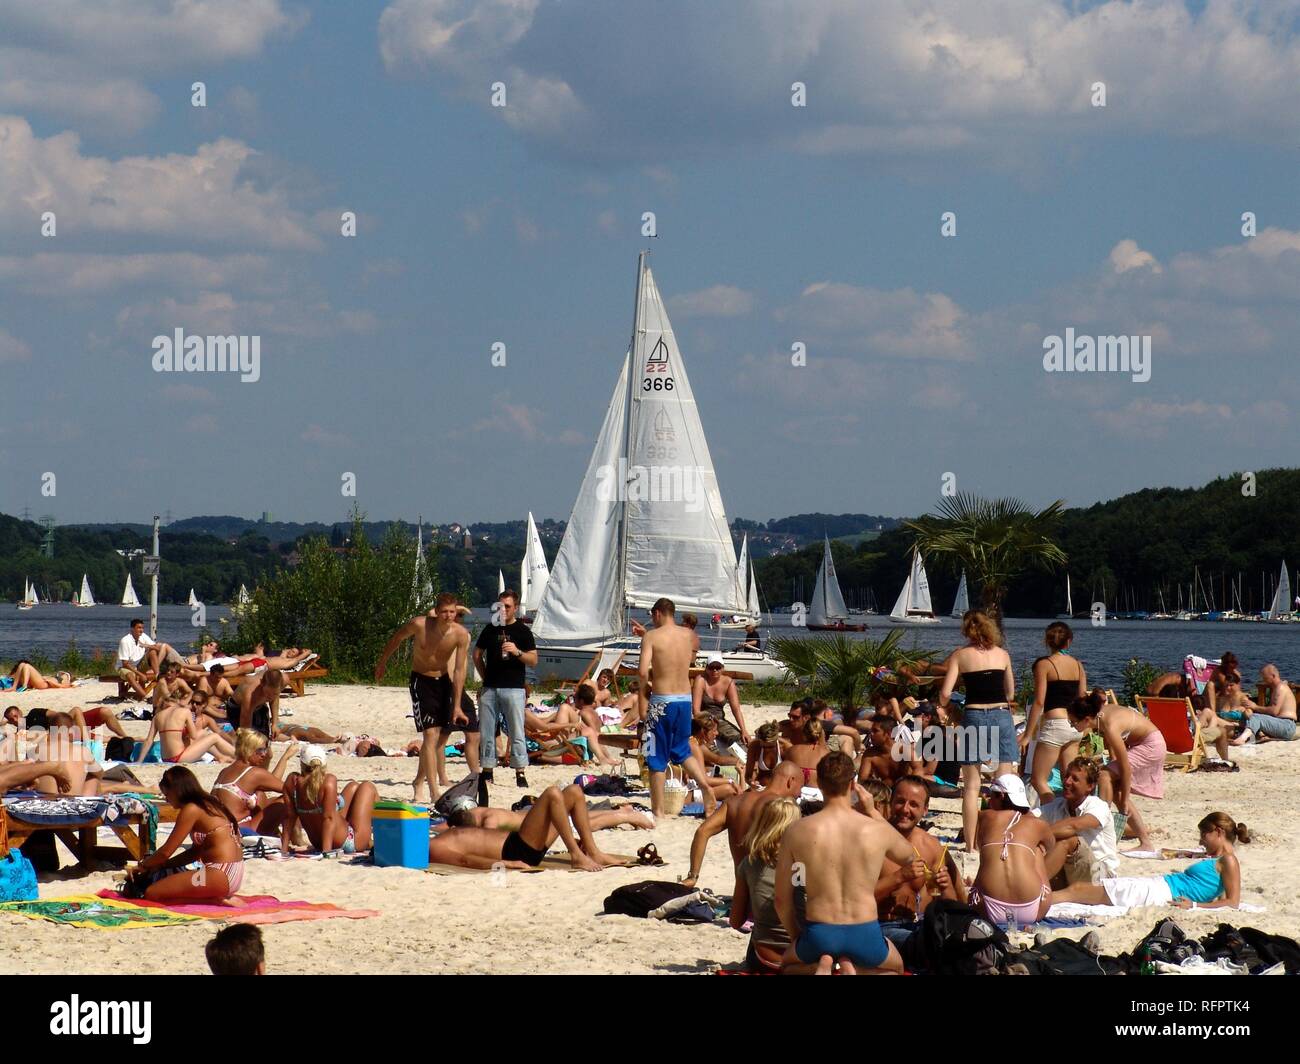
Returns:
<point x="123" y="691"/>
<point x="296" y="681"/>
<point x="81" y="838"/>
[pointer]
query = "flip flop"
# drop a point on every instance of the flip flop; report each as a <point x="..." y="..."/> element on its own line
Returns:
<point x="648" y="855"/>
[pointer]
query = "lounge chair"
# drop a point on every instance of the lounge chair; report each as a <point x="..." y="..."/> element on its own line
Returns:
<point x="1179" y="725"/>
<point x="605" y="658"/>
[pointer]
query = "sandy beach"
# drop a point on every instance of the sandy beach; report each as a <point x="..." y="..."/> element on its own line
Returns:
<point x="552" y="922"/>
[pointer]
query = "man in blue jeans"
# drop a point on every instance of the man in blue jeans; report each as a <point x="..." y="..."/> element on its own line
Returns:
<point x="504" y="651"/>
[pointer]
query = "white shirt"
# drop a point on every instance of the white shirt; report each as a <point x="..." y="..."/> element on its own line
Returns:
<point x="1101" y="840"/>
<point x="130" y="651"/>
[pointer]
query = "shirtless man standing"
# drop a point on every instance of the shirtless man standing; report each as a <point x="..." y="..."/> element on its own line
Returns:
<point x="439" y="662"/>
<point x="737" y="813"/>
<point x="836" y="855"/>
<point x="667" y="651"/>
<point x="1277" y="720"/>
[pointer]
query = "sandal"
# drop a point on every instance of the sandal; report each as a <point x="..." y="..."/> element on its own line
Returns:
<point x="649" y="855"/>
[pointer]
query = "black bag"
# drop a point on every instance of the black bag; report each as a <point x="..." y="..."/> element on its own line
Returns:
<point x="607" y="786"/>
<point x="641" y="899"/>
<point x="1061" y="956"/>
<point x="954" y="939"/>
<point x="473" y="786"/>
<point x="1255" y="949"/>
<point x="119" y="749"/>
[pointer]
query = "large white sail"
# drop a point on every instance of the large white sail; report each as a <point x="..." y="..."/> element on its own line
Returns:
<point x="35" y="598"/>
<point x="742" y="567"/>
<point x="533" y="571"/>
<point x="649" y="519"/>
<point x="828" y="603"/>
<point x="85" y="598"/>
<point x="962" y="603"/>
<point x="899" y="612"/>
<point x="914" y="599"/>
<point x="128" y="595"/>
<point x="1282" y="598"/>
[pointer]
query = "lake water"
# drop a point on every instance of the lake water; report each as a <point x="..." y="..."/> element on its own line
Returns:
<point x="1104" y="650"/>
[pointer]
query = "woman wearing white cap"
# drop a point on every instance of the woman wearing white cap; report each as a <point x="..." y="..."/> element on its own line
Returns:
<point x="711" y="693"/>
<point x="1012" y="880"/>
<point x="331" y="820"/>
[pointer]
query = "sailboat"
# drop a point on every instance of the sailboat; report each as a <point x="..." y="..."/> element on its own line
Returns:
<point x="243" y="598"/>
<point x="421" y="585"/>
<point x="29" y="598"/>
<point x="193" y="600"/>
<point x="1280" y="611"/>
<point x="628" y="541"/>
<point x="913" y="605"/>
<point x="533" y="570"/>
<point x="84" y="599"/>
<point x="501" y="582"/>
<point x="827" y="612"/>
<point x="961" y="603"/>
<point x="1069" y="603"/>
<point x="747" y="590"/>
<point x="129" y="599"/>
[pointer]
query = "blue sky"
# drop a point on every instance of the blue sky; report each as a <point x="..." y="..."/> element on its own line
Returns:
<point x="521" y="225"/>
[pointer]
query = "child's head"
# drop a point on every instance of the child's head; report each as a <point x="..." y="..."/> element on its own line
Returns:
<point x="237" y="950"/>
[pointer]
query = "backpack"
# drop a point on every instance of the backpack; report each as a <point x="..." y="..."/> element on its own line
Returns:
<point x="119" y="749"/>
<point x="1254" y="948"/>
<point x="473" y="786"/>
<point x="608" y="786"/>
<point x="641" y="899"/>
<point x="955" y="939"/>
<point x="1167" y="942"/>
<point x="17" y="878"/>
<point x="1060" y="956"/>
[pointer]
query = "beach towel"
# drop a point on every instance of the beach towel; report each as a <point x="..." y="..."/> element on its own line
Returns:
<point x="1199" y="670"/>
<point x="247" y="909"/>
<point x="99" y="914"/>
<point x="1069" y="910"/>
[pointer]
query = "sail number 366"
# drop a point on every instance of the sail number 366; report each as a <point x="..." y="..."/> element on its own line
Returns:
<point x="656" y="384"/>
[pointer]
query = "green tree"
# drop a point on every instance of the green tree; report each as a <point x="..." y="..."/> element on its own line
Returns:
<point x="841" y="668"/>
<point x="994" y="540"/>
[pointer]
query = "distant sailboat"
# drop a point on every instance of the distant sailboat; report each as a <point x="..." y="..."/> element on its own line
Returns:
<point x="85" y="598"/>
<point x="421" y="585"/>
<point x="194" y="600"/>
<point x="533" y="570"/>
<point x="29" y="598"/>
<point x="501" y="582"/>
<point x="244" y="598"/>
<point x="1280" y="611"/>
<point x="1069" y="602"/>
<point x="961" y="603"/>
<point x="746" y="591"/>
<point x="129" y="599"/>
<point x="913" y="605"/>
<point x="827" y="613"/>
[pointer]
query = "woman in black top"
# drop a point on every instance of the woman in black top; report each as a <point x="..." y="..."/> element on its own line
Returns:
<point x="1058" y="681"/>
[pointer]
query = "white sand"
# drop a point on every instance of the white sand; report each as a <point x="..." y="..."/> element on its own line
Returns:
<point x="551" y="922"/>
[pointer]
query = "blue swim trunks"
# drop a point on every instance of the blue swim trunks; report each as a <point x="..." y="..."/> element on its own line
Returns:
<point x="668" y="731"/>
<point x="863" y="944"/>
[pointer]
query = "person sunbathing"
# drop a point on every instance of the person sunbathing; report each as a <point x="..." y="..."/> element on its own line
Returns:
<point x="169" y="684"/>
<point x="809" y="750"/>
<point x="704" y="731"/>
<point x="469" y="815"/>
<point x="181" y="739"/>
<point x="567" y="721"/>
<point x="838" y="853"/>
<point x="1137" y="751"/>
<point x="1213" y="883"/>
<point x="736" y="814"/>
<point x="240" y="785"/>
<point x="215" y="685"/>
<point x="62" y="744"/>
<point x="307" y="733"/>
<point x="209" y="715"/>
<point x="27" y="677"/>
<point x="1012" y="882"/>
<point x="331" y="820"/>
<point x="35" y="775"/>
<point x="548" y="819"/>
<point x="215" y="834"/>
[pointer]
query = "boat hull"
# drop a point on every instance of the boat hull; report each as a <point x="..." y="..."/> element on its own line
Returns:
<point x="837" y="627"/>
<point x="914" y="620"/>
<point x="569" y="662"/>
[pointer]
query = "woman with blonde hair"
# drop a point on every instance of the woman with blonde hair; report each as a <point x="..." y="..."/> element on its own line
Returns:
<point x="983" y="668"/>
<point x="240" y="784"/>
<point x="755" y="891"/>
<point x="331" y="820"/>
<point x="763" y="755"/>
<point x="1058" y="681"/>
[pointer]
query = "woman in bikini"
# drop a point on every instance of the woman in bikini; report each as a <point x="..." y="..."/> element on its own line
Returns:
<point x="182" y="739"/>
<point x="203" y="819"/>
<point x="1058" y="681"/>
<point x="704" y="733"/>
<point x="1137" y="756"/>
<point x="1012" y="882"/>
<point x="239" y="785"/>
<point x="810" y="747"/>
<point x="712" y="693"/>
<point x="331" y="820"/>
<point x="28" y="677"/>
<point x="764" y="755"/>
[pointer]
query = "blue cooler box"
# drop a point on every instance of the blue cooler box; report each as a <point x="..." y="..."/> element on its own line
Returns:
<point x="401" y="834"/>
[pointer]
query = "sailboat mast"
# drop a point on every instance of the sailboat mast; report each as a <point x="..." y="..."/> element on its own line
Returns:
<point x="637" y="329"/>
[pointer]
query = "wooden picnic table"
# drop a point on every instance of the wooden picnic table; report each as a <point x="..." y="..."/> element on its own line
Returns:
<point x="82" y="838"/>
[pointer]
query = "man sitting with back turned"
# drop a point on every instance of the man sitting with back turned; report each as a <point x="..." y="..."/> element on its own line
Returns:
<point x="836" y="855"/>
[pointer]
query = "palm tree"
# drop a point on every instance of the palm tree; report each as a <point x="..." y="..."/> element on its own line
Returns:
<point x="995" y="540"/>
<point x="841" y="667"/>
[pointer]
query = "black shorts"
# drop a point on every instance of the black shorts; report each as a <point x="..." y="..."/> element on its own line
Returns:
<point x="431" y="704"/>
<point x="515" y="849"/>
<point x="261" y="716"/>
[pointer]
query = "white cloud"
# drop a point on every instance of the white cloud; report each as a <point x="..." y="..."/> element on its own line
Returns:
<point x="892" y="324"/>
<point x="61" y="274"/>
<point x="221" y="313"/>
<point x="1126" y="255"/>
<point x="719" y="301"/>
<point x="891" y="76"/>
<point x="314" y="433"/>
<point x="205" y="196"/>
